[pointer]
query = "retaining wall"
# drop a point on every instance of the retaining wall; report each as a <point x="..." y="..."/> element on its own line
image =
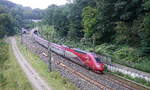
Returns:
<point x="128" y="71"/>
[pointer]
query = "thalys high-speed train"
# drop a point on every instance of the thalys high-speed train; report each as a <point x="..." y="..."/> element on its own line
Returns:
<point x="88" y="59"/>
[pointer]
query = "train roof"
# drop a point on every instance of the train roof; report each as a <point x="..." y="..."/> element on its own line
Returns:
<point x="80" y="51"/>
<point x="84" y="52"/>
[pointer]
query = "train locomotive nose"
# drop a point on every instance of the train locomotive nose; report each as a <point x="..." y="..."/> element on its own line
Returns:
<point x="100" y="67"/>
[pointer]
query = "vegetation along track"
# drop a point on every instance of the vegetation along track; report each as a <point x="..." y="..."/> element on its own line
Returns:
<point x="128" y="85"/>
<point x="121" y="83"/>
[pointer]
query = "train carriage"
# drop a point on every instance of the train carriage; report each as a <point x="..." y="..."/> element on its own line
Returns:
<point x="86" y="58"/>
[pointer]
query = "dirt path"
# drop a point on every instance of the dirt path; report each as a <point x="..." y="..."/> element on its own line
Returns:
<point x="37" y="82"/>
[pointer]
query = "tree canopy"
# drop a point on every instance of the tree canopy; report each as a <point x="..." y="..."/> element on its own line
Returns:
<point x="108" y="21"/>
<point x="13" y="17"/>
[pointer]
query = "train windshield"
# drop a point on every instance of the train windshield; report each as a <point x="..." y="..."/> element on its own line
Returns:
<point x="98" y="60"/>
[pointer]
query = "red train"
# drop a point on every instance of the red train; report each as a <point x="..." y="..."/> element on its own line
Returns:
<point x="86" y="58"/>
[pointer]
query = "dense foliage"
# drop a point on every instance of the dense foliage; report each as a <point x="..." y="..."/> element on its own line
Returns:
<point x="118" y="28"/>
<point x="13" y="17"/>
<point x="7" y="23"/>
<point x="105" y="21"/>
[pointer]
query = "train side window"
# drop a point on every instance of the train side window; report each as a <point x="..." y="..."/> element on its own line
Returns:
<point x="24" y="32"/>
<point x="35" y="32"/>
<point x="98" y="60"/>
<point x="80" y="51"/>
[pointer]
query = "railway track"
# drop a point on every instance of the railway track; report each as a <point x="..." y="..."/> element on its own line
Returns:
<point x="120" y="82"/>
<point x="127" y="82"/>
<point x="83" y="76"/>
<point x="129" y="85"/>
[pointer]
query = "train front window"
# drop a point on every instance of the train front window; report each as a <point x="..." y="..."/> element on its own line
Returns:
<point x="98" y="60"/>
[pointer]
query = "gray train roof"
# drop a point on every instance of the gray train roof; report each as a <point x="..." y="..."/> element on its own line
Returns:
<point x="80" y="50"/>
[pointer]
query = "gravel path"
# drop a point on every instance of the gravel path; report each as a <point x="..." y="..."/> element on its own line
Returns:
<point x="37" y="82"/>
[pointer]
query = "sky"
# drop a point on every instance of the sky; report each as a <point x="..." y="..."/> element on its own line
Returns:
<point x="42" y="4"/>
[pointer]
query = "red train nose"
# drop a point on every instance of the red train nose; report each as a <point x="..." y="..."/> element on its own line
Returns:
<point x="100" y="67"/>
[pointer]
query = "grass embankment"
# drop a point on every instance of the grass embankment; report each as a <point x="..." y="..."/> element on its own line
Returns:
<point x="53" y="78"/>
<point x="11" y="75"/>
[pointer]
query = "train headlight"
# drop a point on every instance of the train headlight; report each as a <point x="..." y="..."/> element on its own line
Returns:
<point x="98" y="66"/>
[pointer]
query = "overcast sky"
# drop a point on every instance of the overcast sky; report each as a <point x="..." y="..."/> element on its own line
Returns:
<point x="39" y="3"/>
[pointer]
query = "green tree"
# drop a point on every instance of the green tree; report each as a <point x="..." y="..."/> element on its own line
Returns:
<point x="75" y="17"/>
<point x="57" y="17"/>
<point x="6" y="25"/>
<point x="105" y="22"/>
<point x="89" y="21"/>
<point x="61" y="21"/>
<point x="48" y="19"/>
<point x="145" y="35"/>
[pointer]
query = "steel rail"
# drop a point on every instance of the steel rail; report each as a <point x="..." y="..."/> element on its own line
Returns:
<point x="83" y="76"/>
<point x="109" y="78"/>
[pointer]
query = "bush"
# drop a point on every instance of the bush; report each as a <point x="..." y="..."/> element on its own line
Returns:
<point x="119" y="53"/>
<point x="3" y="53"/>
<point x="127" y="54"/>
<point x="105" y="49"/>
<point x="2" y="80"/>
<point x="124" y="55"/>
<point x="143" y="65"/>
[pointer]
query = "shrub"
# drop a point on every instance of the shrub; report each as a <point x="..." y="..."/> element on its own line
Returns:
<point x="127" y="54"/>
<point x="105" y="49"/>
<point x="143" y="65"/>
<point x="3" y="53"/>
<point x="119" y="53"/>
<point x="2" y="80"/>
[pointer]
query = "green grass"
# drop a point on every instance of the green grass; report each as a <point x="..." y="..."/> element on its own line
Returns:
<point x="12" y="76"/>
<point x="53" y="78"/>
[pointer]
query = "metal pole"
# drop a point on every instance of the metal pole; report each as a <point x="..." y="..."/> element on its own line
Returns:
<point x="21" y="36"/>
<point x="94" y="43"/>
<point x="49" y="48"/>
<point x="26" y="43"/>
<point x="49" y="54"/>
<point x="50" y="60"/>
